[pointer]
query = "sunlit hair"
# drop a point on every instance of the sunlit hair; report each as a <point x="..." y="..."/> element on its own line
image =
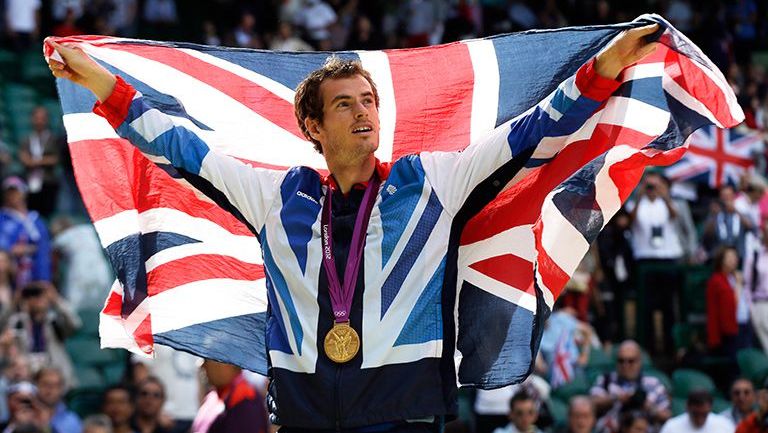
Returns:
<point x="308" y="102"/>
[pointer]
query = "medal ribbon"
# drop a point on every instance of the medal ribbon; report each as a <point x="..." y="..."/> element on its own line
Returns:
<point x="341" y="296"/>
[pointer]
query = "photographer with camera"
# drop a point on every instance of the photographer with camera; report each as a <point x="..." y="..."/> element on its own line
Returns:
<point x="657" y="248"/>
<point x="43" y="321"/>
<point x="27" y="413"/>
<point x="757" y="422"/>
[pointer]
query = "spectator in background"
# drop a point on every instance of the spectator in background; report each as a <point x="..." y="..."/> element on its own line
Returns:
<point x="80" y="262"/>
<point x="680" y="14"/>
<point x="522" y="16"/>
<point x="5" y="157"/>
<point x="27" y="414"/>
<point x="23" y="233"/>
<point x="7" y="279"/>
<point x="756" y="287"/>
<point x="148" y="417"/>
<point x="286" y="40"/>
<point x="363" y="36"/>
<point x="22" y="21"/>
<point x="315" y="17"/>
<point x="747" y="202"/>
<point x="756" y="421"/>
<point x="627" y="389"/>
<point x="581" y="415"/>
<point x="565" y="344"/>
<point x="725" y="226"/>
<point x="123" y="18"/>
<point x="210" y="34"/>
<point x="615" y="253"/>
<point x="43" y="322"/>
<point x="160" y="18"/>
<point x="419" y="19"/>
<point x="50" y="390"/>
<point x="728" y="327"/>
<point x="178" y="372"/>
<point x="742" y="400"/>
<point x="634" y="421"/>
<point x="492" y="406"/>
<point x="39" y="154"/>
<point x="698" y="417"/>
<point x="523" y="412"/>
<point x="245" y="33"/>
<point x="657" y="248"/>
<point x="117" y="404"/>
<point x="581" y="290"/>
<point x="61" y="8"/>
<point x="97" y="424"/>
<point x="244" y="410"/>
<point x="68" y="26"/>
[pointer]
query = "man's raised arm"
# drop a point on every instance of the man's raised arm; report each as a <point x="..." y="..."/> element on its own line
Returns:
<point x="245" y="191"/>
<point x="454" y="175"/>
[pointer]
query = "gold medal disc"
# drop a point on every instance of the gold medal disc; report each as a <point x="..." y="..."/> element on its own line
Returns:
<point x="341" y="343"/>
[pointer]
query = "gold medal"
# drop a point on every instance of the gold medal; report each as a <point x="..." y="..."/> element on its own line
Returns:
<point x="341" y="343"/>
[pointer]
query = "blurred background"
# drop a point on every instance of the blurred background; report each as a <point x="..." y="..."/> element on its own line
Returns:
<point x="667" y="315"/>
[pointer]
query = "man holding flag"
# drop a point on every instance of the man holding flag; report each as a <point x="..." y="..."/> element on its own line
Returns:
<point x="356" y="334"/>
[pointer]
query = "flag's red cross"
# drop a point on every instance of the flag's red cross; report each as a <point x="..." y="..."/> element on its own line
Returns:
<point x="720" y="156"/>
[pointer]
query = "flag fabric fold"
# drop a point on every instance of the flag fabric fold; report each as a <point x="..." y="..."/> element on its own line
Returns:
<point x="190" y="275"/>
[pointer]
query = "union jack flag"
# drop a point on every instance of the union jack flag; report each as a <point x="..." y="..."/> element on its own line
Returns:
<point x="562" y="364"/>
<point x="717" y="156"/>
<point x="191" y="276"/>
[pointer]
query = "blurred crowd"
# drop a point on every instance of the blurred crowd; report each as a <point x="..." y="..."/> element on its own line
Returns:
<point x="651" y="334"/>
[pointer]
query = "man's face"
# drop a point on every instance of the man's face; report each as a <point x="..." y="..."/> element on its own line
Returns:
<point x="640" y="425"/>
<point x="581" y="418"/>
<point x="50" y="388"/>
<point x="728" y="198"/>
<point x="150" y="399"/>
<point x="698" y="413"/>
<point x="118" y="406"/>
<point x="524" y="414"/>
<point x="743" y="396"/>
<point x="14" y="197"/>
<point x="40" y="119"/>
<point x="628" y="362"/>
<point x="349" y="131"/>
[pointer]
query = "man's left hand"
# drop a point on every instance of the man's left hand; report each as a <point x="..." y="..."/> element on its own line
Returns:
<point x="628" y="48"/>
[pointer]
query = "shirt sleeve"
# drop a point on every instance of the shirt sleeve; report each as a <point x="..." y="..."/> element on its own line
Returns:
<point x="539" y="134"/>
<point x="245" y="191"/>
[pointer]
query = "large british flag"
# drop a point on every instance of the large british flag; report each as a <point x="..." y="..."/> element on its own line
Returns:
<point x="717" y="156"/>
<point x="191" y="276"/>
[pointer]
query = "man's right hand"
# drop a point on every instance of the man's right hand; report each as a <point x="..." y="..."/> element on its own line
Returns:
<point x="79" y="68"/>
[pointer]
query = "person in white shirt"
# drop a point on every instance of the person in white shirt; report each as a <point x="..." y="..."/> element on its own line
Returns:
<point x="698" y="417"/>
<point x="657" y="249"/>
<point x="22" y="19"/>
<point x="756" y="286"/>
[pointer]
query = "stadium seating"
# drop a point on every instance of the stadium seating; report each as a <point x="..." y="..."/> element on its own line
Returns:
<point x="685" y="380"/>
<point x="753" y="364"/>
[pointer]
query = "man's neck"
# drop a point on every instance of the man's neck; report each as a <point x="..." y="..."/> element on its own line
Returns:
<point x="146" y="423"/>
<point x="347" y="175"/>
<point x="123" y="428"/>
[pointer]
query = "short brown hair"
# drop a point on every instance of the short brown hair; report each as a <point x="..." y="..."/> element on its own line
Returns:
<point x="308" y="101"/>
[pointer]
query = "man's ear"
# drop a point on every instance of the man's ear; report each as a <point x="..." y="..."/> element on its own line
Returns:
<point x="313" y="127"/>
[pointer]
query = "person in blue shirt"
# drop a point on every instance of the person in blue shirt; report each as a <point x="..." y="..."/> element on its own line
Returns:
<point x="23" y="233"/>
<point x="50" y="390"/>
